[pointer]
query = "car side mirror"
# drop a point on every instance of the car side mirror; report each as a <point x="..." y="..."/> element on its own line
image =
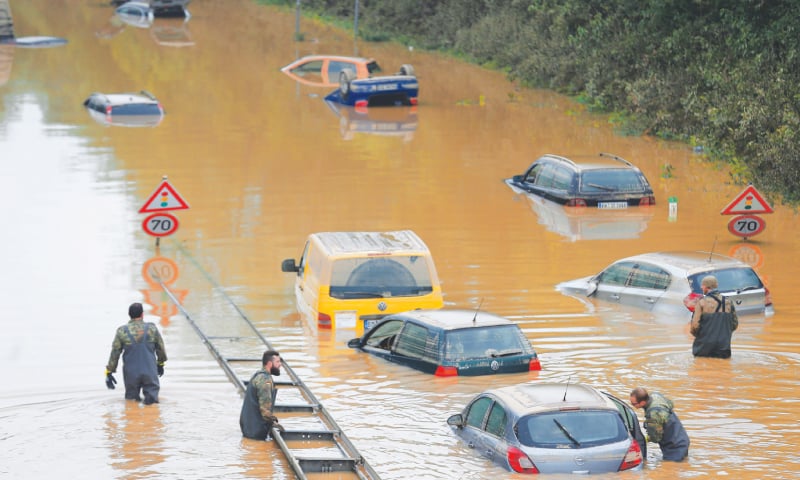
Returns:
<point x="456" y="420"/>
<point x="354" y="343"/>
<point x="289" y="265"/>
<point x="591" y="288"/>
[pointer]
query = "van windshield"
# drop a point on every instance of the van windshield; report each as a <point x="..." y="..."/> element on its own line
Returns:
<point x="380" y="277"/>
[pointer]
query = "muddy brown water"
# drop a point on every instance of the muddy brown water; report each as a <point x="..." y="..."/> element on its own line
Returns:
<point x="263" y="162"/>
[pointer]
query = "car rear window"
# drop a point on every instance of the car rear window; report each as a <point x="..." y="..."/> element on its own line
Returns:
<point x="366" y="277"/>
<point x="571" y="429"/>
<point x="729" y="279"/>
<point x="616" y="180"/>
<point x="483" y="342"/>
<point x="136" y="109"/>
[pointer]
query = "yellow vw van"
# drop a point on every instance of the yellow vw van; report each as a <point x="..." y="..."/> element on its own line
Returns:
<point x="350" y="280"/>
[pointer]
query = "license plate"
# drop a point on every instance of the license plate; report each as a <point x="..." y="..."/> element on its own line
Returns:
<point x="346" y="319"/>
<point x="612" y="205"/>
<point x="369" y="324"/>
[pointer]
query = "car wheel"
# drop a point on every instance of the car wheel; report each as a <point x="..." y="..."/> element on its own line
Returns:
<point x="407" y="69"/>
<point x="345" y="77"/>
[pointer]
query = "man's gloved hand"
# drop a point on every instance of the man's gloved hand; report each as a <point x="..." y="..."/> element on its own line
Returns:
<point x="160" y="369"/>
<point x="110" y="380"/>
<point x="274" y="420"/>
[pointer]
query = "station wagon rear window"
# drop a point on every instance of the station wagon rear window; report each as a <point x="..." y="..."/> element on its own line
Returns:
<point x="495" y="341"/>
<point x="729" y="279"/>
<point x="616" y="180"/>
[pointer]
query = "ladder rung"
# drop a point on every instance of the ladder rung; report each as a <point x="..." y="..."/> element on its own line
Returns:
<point x="289" y="434"/>
<point x="323" y="465"/>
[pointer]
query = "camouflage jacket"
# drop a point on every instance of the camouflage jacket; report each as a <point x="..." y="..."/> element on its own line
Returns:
<point x="137" y="328"/>
<point x="656" y="414"/>
<point x="265" y="390"/>
<point x="709" y="304"/>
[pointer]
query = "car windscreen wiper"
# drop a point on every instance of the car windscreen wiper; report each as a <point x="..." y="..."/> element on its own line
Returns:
<point x="351" y="294"/>
<point x="566" y="432"/>
<point x="506" y="353"/>
<point x="745" y="289"/>
<point x="601" y="187"/>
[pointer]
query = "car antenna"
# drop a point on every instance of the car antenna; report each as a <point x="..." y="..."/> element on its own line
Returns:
<point x="477" y="310"/>
<point x="712" y="249"/>
<point x="566" y="388"/>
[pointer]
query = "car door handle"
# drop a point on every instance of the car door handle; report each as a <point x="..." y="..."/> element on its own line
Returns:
<point x="649" y="300"/>
<point x="471" y="445"/>
<point x="615" y="296"/>
<point x="490" y="453"/>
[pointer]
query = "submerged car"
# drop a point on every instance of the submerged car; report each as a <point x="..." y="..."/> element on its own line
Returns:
<point x="153" y="8"/>
<point x="324" y="70"/>
<point x="391" y="90"/>
<point x="552" y="428"/>
<point x="450" y="342"/>
<point x="602" y="181"/>
<point x="140" y="109"/>
<point x="670" y="281"/>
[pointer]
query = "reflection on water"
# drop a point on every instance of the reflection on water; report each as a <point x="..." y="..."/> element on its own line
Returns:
<point x="262" y="168"/>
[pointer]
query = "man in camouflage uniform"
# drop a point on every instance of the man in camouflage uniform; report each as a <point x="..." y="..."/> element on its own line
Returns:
<point x="256" y="419"/>
<point x="662" y="424"/>
<point x="143" y="357"/>
<point x="713" y="322"/>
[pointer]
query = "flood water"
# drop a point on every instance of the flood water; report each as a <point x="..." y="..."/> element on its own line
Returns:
<point x="263" y="162"/>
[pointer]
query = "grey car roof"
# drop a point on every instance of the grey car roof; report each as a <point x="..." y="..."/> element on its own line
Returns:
<point x="452" y="319"/>
<point x="538" y="397"/>
<point x="689" y="262"/>
<point x="602" y="161"/>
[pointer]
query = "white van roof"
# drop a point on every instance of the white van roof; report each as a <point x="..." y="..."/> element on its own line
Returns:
<point x="347" y="243"/>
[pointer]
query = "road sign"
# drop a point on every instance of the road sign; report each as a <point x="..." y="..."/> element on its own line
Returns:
<point x="746" y="225"/>
<point x="164" y="198"/>
<point x="747" y="202"/>
<point x="160" y="224"/>
<point x="160" y="269"/>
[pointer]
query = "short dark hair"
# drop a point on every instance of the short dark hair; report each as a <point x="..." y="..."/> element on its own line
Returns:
<point x="640" y="394"/>
<point x="135" y="310"/>
<point x="268" y="356"/>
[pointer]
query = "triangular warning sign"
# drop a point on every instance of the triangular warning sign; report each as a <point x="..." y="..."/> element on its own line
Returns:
<point x="164" y="198"/>
<point x="749" y="201"/>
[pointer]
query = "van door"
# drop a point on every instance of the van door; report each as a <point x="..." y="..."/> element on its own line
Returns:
<point x="307" y="283"/>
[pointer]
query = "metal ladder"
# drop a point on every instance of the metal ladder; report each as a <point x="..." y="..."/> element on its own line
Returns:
<point x="318" y="432"/>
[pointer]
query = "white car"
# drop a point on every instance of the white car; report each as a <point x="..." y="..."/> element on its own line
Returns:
<point x="670" y="281"/>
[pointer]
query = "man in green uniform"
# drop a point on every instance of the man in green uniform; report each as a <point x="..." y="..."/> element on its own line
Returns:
<point x="713" y="322"/>
<point x="256" y="419"/>
<point x="143" y="357"/>
<point x="662" y="424"/>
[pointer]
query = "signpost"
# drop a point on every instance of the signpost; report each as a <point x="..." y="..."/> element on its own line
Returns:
<point x="164" y="198"/>
<point x="746" y="205"/>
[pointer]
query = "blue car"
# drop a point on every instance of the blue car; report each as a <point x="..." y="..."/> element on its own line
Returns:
<point x="391" y="90"/>
<point x="448" y="343"/>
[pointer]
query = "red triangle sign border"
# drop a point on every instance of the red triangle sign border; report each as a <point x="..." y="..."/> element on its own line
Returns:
<point x="750" y="191"/>
<point x="149" y="207"/>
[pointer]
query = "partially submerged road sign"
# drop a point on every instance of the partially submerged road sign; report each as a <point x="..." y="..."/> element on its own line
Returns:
<point x="164" y="198"/>
<point x="747" y="203"/>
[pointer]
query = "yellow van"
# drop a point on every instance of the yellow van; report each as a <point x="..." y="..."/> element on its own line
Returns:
<point x="351" y="280"/>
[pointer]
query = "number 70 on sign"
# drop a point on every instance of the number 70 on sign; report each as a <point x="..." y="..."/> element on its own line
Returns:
<point x="746" y="225"/>
<point x="160" y="224"/>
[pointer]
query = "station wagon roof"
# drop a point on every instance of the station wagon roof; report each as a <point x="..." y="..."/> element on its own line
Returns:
<point x="532" y="397"/>
<point x="377" y="243"/>
<point x="690" y="262"/>
<point x="453" y="319"/>
<point x="593" y="162"/>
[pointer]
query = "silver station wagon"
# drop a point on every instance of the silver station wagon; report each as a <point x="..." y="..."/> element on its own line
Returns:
<point x="552" y="428"/>
<point x="670" y="282"/>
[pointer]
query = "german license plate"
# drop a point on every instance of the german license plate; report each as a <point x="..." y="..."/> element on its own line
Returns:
<point x="346" y="319"/>
<point x="369" y="324"/>
<point x="612" y="205"/>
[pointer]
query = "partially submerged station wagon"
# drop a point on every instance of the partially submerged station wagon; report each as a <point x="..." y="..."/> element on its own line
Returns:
<point x="351" y="280"/>
<point x="451" y="342"/>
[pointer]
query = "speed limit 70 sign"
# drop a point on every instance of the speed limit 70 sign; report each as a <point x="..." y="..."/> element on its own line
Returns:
<point x="746" y="225"/>
<point x="160" y="224"/>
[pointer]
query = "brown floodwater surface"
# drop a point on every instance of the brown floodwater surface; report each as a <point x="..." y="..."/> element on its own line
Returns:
<point x="262" y="162"/>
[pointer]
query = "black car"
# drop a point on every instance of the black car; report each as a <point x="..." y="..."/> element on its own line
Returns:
<point x="602" y="181"/>
<point x="451" y="342"/>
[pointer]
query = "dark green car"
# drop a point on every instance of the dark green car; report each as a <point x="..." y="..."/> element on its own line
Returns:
<point x="451" y="342"/>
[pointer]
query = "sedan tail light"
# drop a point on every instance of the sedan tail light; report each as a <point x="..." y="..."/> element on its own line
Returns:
<point x="633" y="458"/>
<point x="576" y="202"/>
<point x="442" y="371"/>
<point x="651" y="200"/>
<point x="691" y="300"/>
<point x="108" y="109"/>
<point x="520" y="462"/>
<point x="535" y="364"/>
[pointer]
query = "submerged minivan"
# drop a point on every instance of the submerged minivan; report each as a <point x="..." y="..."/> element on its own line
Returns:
<point x="351" y="280"/>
